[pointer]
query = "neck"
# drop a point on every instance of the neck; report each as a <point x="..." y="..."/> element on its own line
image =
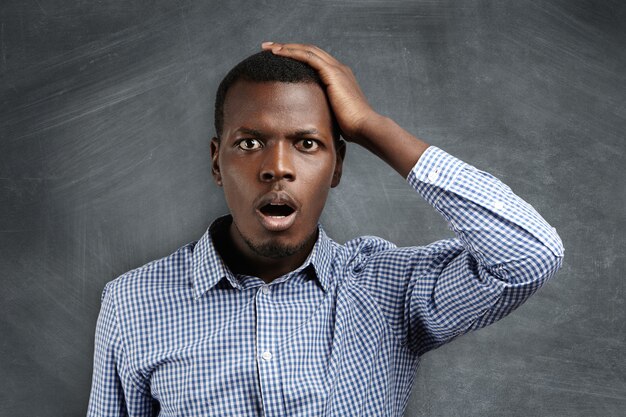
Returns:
<point x="241" y="259"/>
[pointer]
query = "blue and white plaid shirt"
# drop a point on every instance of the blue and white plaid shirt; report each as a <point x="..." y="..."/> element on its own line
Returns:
<point x="340" y="336"/>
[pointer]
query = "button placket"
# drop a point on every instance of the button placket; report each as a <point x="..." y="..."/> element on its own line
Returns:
<point x="265" y="322"/>
<point x="267" y="363"/>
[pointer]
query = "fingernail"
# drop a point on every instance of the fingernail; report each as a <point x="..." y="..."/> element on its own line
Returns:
<point x="267" y="43"/>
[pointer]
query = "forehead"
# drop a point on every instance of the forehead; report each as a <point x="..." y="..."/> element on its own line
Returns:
<point x="276" y="105"/>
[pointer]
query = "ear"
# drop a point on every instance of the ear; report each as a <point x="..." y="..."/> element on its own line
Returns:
<point x="215" y="165"/>
<point x="340" y="153"/>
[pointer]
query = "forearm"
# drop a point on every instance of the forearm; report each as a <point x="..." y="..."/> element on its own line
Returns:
<point x="497" y="227"/>
<point x="390" y="142"/>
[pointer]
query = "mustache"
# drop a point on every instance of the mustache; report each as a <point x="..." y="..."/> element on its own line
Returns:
<point x="280" y="197"/>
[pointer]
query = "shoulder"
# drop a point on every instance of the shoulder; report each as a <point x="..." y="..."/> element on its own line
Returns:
<point x="373" y="253"/>
<point x="367" y="245"/>
<point x="171" y="271"/>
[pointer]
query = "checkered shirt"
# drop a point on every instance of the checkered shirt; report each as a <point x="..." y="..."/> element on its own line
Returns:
<point x="342" y="335"/>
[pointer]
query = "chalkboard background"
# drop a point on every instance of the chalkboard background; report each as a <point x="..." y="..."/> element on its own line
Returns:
<point x="105" y="118"/>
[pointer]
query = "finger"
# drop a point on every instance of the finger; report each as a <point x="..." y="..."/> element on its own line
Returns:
<point x="316" y="50"/>
<point x="303" y="55"/>
<point x="325" y="56"/>
<point x="267" y="45"/>
<point x="328" y="57"/>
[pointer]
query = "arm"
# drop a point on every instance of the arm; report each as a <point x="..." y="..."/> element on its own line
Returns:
<point x="113" y="393"/>
<point x="503" y="251"/>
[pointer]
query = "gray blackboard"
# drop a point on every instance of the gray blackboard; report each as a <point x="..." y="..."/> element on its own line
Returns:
<point x="105" y="118"/>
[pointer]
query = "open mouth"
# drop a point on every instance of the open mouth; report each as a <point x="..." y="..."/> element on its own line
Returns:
<point x="278" y="213"/>
<point x="276" y="210"/>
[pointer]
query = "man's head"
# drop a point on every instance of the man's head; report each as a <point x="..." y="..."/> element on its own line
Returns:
<point x="277" y="153"/>
<point x="265" y="67"/>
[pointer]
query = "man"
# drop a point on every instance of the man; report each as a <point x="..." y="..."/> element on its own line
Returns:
<point x="266" y="315"/>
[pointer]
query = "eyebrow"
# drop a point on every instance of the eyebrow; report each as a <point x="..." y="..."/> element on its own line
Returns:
<point x="306" y="132"/>
<point x="251" y="132"/>
<point x="296" y="134"/>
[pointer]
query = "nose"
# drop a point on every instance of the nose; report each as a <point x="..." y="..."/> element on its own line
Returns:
<point x="277" y="164"/>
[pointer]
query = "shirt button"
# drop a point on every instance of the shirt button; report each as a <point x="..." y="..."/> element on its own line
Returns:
<point x="498" y="205"/>
<point x="433" y="175"/>
<point x="267" y="355"/>
<point x="265" y="289"/>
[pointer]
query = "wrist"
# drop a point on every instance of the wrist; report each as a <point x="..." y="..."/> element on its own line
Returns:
<point x="372" y="126"/>
<point x="386" y="139"/>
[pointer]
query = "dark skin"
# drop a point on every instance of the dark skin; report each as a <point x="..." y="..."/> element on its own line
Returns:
<point x="277" y="148"/>
<point x="276" y="143"/>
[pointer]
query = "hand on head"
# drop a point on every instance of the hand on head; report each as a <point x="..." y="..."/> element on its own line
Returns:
<point x="348" y="102"/>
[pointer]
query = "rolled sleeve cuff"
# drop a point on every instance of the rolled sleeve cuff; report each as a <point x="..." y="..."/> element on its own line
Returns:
<point x="434" y="173"/>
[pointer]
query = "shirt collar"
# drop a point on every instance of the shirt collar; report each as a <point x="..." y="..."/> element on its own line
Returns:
<point x="208" y="268"/>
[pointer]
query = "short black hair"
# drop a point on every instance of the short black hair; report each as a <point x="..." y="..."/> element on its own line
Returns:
<point x="266" y="67"/>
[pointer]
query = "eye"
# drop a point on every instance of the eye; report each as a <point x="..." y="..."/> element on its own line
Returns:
<point x="307" y="145"/>
<point x="249" y="144"/>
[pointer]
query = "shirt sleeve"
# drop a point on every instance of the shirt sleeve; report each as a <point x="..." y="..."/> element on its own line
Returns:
<point x="503" y="252"/>
<point x="113" y="391"/>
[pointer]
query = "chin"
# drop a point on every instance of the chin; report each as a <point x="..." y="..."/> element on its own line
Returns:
<point x="277" y="248"/>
